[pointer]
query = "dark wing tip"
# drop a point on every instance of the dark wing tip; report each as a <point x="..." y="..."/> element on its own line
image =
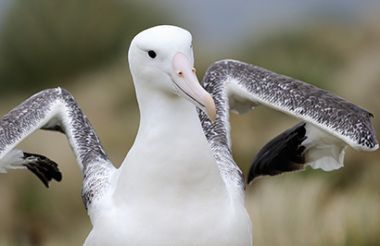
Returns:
<point x="44" y="168"/>
<point x="282" y="154"/>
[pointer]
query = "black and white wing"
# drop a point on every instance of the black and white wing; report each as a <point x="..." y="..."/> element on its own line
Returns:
<point x="330" y="123"/>
<point x="55" y="109"/>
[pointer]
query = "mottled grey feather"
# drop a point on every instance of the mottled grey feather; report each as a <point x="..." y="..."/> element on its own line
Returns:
<point x="239" y="84"/>
<point x="330" y="112"/>
<point x="218" y="133"/>
<point x="56" y="109"/>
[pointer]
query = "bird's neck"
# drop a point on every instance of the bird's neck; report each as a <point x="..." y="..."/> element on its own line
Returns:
<point x="170" y="154"/>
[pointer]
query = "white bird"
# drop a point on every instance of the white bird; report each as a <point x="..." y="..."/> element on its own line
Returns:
<point x="178" y="184"/>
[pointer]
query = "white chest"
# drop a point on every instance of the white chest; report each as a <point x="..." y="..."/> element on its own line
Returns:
<point x="199" y="223"/>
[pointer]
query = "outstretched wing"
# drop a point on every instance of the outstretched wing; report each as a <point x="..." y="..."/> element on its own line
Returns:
<point x="332" y="123"/>
<point x="55" y="109"/>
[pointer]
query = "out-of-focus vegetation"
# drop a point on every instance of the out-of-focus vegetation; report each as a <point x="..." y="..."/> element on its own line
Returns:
<point x="46" y="40"/>
<point x="82" y="45"/>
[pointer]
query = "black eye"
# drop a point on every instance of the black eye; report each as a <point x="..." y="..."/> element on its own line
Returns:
<point x="152" y="54"/>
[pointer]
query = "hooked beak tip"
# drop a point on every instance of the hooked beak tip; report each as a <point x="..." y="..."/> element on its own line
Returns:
<point x="210" y="108"/>
<point x="187" y="83"/>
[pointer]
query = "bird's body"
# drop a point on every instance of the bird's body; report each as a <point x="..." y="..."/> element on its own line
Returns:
<point x="179" y="184"/>
<point x="213" y="220"/>
<point x="169" y="191"/>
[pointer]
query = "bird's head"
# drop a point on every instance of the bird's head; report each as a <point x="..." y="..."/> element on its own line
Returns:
<point x="161" y="58"/>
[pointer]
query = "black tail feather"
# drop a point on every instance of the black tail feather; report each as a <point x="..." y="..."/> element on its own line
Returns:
<point x="44" y="168"/>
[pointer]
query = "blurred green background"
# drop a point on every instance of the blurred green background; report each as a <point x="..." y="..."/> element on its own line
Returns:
<point x="82" y="45"/>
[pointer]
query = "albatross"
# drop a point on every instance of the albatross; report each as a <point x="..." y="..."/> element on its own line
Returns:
<point x="178" y="184"/>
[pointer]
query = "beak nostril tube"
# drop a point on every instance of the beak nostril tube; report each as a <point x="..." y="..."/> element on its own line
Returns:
<point x="187" y="83"/>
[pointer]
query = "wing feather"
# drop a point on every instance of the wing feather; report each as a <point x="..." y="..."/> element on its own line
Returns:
<point x="254" y="85"/>
<point x="55" y="109"/>
<point x="331" y="123"/>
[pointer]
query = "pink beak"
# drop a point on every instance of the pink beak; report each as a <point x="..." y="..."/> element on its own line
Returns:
<point x="189" y="87"/>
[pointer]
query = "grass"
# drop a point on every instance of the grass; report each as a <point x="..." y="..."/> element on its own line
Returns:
<point x="293" y="210"/>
